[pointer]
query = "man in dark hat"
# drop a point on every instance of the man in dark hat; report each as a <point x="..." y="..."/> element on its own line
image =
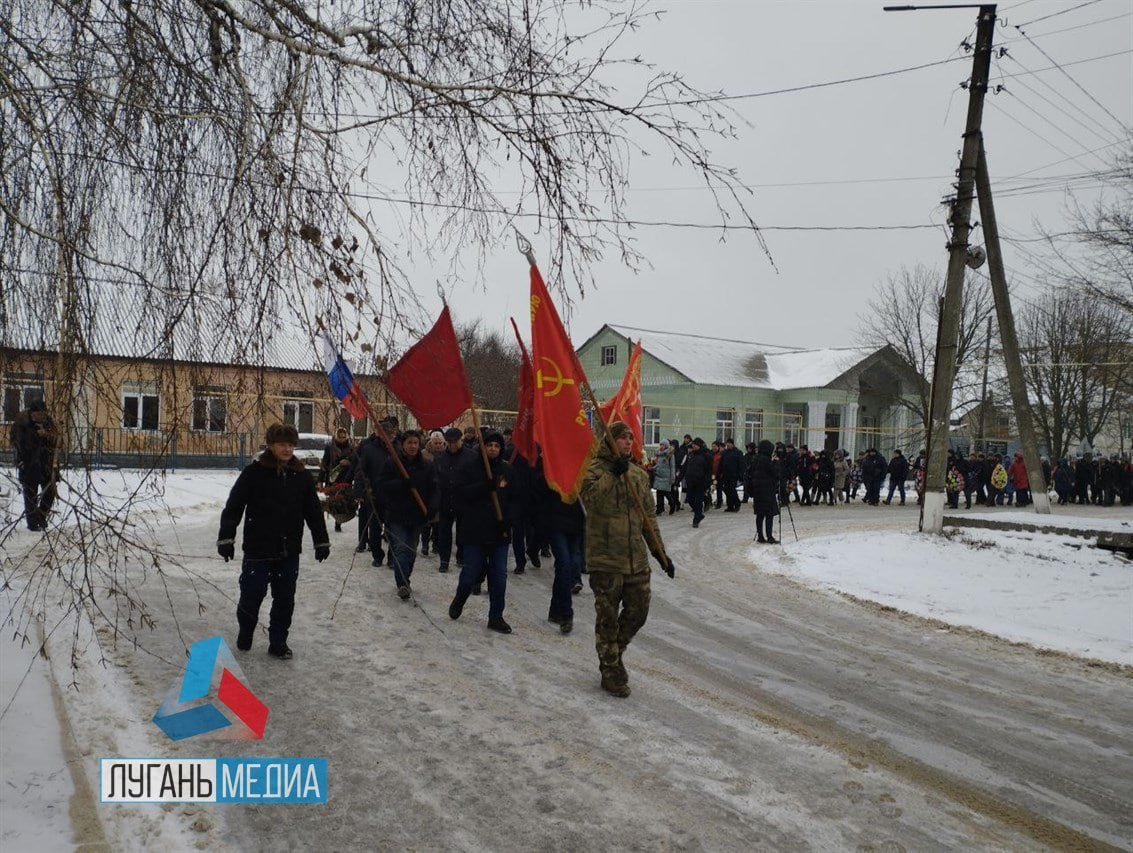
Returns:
<point x="621" y="532"/>
<point x="697" y="477"/>
<point x="274" y="496"/>
<point x="446" y="464"/>
<point x="33" y="438"/>
<point x="369" y="459"/>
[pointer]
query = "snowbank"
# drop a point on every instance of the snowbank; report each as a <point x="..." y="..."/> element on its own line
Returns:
<point x="1049" y="591"/>
<point x="1119" y="521"/>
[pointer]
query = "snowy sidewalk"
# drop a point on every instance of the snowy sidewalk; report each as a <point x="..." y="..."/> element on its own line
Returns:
<point x="1050" y="591"/>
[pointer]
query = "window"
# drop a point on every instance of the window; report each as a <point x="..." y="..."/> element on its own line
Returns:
<point x="210" y="410"/>
<point x="140" y="409"/>
<point x="300" y="414"/>
<point x="753" y="426"/>
<point x="18" y="395"/>
<point x="651" y="425"/>
<point x="609" y="355"/>
<point x="792" y="428"/>
<point x="357" y="427"/>
<point x="725" y="424"/>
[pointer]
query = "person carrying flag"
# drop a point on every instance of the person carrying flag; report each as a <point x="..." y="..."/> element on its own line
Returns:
<point x="619" y="524"/>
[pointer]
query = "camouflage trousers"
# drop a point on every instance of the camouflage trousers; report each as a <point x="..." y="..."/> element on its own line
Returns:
<point x="622" y="606"/>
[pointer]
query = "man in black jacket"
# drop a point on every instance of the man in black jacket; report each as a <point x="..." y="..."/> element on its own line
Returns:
<point x="898" y="473"/>
<point x="697" y="477"/>
<point x="274" y="495"/>
<point x="731" y="470"/>
<point x="445" y="464"/>
<point x="33" y="439"/>
<point x="404" y="517"/>
<point x="369" y="459"/>
<point x="873" y="473"/>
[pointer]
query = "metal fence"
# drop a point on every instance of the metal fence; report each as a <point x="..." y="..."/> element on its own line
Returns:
<point x="166" y="449"/>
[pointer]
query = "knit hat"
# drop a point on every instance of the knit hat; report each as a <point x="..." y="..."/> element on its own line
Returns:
<point x="618" y="429"/>
<point x="284" y="433"/>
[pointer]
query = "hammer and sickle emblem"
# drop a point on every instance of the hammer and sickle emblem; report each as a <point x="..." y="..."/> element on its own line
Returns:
<point x="558" y="379"/>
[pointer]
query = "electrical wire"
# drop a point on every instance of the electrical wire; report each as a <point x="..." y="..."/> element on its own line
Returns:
<point x="1060" y="12"/>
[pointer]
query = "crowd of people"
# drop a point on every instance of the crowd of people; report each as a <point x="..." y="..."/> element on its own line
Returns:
<point x="468" y="496"/>
<point x="702" y="477"/>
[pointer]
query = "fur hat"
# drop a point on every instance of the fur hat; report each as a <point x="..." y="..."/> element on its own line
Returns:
<point x="617" y="429"/>
<point x="494" y="437"/>
<point x="285" y="433"/>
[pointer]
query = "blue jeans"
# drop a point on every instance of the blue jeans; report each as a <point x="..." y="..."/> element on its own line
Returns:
<point x="568" y="551"/>
<point x="896" y="485"/>
<point x="256" y="575"/>
<point x="403" y="549"/>
<point x="478" y="560"/>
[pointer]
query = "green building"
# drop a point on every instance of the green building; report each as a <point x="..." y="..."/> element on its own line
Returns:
<point x="714" y="388"/>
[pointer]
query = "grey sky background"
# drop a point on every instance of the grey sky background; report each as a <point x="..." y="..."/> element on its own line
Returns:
<point x="877" y="152"/>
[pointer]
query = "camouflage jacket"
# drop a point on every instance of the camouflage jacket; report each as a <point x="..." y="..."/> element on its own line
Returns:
<point x="615" y="522"/>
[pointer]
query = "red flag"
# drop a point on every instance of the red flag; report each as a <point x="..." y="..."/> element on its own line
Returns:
<point x="523" y="435"/>
<point x="626" y="404"/>
<point x="429" y="379"/>
<point x="561" y="426"/>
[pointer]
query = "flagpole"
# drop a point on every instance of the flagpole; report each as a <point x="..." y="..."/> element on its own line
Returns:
<point x="658" y="547"/>
<point x="487" y="464"/>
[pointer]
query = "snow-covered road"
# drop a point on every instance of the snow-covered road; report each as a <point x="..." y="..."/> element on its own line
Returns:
<point x="764" y="715"/>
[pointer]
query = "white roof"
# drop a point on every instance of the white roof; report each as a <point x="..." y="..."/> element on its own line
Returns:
<point x="718" y="361"/>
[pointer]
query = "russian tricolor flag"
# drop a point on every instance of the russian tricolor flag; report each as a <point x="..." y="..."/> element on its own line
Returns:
<point x="343" y="383"/>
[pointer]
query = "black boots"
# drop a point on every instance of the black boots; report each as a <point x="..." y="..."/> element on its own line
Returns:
<point x="499" y="625"/>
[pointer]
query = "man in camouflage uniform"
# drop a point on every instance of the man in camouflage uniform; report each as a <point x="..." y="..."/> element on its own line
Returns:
<point x="621" y="531"/>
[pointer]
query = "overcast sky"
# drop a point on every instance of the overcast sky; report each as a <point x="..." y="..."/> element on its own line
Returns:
<point x="877" y="152"/>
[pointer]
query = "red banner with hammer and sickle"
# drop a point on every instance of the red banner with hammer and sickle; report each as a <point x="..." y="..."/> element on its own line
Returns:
<point x="561" y="426"/>
<point x="626" y="404"/>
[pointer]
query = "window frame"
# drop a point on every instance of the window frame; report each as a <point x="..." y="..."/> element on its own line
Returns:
<point x="753" y="426"/>
<point x="724" y="433"/>
<point x="608" y="355"/>
<point x="299" y="403"/>
<point x="23" y="386"/>
<point x="140" y="396"/>
<point x="208" y="398"/>
<point x="651" y="425"/>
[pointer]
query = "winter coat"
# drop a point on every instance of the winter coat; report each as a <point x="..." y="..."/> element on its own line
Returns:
<point x="369" y="459"/>
<point x="559" y="516"/>
<point x="1063" y="477"/>
<point x="804" y="468"/>
<point x="664" y="471"/>
<point x="698" y="470"/>
<point x="841" y="472"/>
<point x="732" y="465"/>
<point x="763" y="484"/>
<point x="873" y="469"/>
<point x="400" y="505"/>
<point x="332" y="455"/>
<point x="476" y="522"/>
<point x="619" y="511"/>
<point x="444" y="465"/>
<point x="898" y="469"/>
<point x="1018" y="473"/>
<point x="679" y="456"/>
<point x="825" y="475"/>
<point x="33" y="444"/>
<point x="274" y="500"/>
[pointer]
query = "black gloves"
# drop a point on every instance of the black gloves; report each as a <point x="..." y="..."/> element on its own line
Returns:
<point x="666" y="565"/>
<point x="226" y="550"/>
<point x="620" y="466"/>
<point x="321" y="552"/>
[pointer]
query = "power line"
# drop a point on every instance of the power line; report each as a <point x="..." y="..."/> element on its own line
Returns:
<point x="1081" y="88"/>
<point x="1056" y="14"/>
<point x="1055" y="125"/>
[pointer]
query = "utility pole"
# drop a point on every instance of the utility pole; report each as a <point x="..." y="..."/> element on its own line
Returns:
<point x="1010" y="339"/>
<point x="936" y="464"/>
<point x="981" y="443"/>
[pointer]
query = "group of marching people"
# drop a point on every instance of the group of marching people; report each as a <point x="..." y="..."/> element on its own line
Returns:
<point x="413" y="491"/>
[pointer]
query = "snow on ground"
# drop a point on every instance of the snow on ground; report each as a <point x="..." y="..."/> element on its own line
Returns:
<point x="1116" y="519"/>
<point x="1050" y="591"/>
<point x="34" y="800"/>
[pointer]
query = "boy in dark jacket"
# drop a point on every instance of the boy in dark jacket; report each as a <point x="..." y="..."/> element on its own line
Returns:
<point x="274" y="495"/>
<point x="403" y="516"/>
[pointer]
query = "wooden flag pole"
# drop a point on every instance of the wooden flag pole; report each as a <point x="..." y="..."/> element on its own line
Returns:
<point x="657" y="547"/>
<point x="487" y="464"/>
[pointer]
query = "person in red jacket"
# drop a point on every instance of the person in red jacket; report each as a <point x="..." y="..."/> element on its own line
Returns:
<point x="1017" y="473"/>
